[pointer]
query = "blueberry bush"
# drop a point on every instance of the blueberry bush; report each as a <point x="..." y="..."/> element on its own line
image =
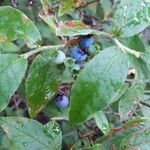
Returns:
<point x="74" y="74"/>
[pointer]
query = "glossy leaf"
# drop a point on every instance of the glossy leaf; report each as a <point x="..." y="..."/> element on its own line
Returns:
<point x="30" y="134"/>
<point x="131" y="18"/>
<point x="102" y="122"/>
<point x="16" y="25"/>
<point x="98" y="84"/>
<point x="42" y="81"/>
<point x="12" y="71"/>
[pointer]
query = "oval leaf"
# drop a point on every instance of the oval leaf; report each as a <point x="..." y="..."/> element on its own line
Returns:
<point x="131" y="18"/>
<point x="12" y="70"/>
<point x="15" y="25"/>
<point x="98" y="83"/>
<point x="102" y="122"/>
<point x="30" y="134"/>
<point x="42" y="82"/>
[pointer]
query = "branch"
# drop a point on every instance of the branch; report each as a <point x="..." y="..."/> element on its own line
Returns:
<point x="28" y="54"/>
<point x="119" y="44"/>
<point x="116" y="131"/>
<point x="144" y="103"/>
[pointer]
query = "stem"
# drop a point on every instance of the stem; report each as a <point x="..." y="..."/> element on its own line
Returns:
<point x="58" y="118"/>
<point x="116" y="131"/>
<point x="128" y="50"/>
<point x="120" y="45"/>
<point x="145" y="104"/>
<point x="28" y="54"/>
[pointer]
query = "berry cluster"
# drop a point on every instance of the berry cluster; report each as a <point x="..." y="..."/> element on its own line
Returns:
<point x="79" y="52"/>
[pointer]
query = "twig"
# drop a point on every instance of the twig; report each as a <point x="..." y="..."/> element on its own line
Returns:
<point x="116" y="131"/>
<point x="144" y="103"/>
<point x="84" y="136"/>
<point x="58" y="118"/>
<point x="28" y="54"/>
<point x="119" y="44"/>
<point x="124" y="48"/>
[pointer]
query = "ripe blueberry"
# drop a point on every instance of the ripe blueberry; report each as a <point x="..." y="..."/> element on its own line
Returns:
<point x="86" y="41"/>
<point x="77" y="54"/>
<point x="61" y="101"/>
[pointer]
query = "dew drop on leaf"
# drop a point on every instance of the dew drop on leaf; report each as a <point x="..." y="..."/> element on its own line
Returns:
<point x="25" y="144"/>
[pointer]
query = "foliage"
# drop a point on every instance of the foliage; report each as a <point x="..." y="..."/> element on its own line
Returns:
<point x="74" y="74"/>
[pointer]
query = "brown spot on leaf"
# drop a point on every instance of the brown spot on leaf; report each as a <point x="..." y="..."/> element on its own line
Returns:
<point x="3" y="38"/>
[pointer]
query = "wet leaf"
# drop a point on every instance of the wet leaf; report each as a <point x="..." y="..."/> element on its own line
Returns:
<point x="30" y="134"/>
<point x="42" y="81"/>
<point x="99" y="84"/>
<point x="131" y="18"/>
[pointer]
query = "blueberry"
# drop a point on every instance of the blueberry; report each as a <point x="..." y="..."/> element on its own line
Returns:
<point x="77" y="54"/>
<point x="60" y="58"/>
<point x="86" y="41"/>
<point x="61" y="101"/>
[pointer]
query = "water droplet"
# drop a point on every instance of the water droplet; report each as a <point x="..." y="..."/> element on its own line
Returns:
<point x="49" y="95"/>
<point x="25" y="143"/>
<point x="147" y="132"/>
<point x="142" y="123"/>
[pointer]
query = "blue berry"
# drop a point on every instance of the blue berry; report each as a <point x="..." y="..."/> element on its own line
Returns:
<point x="61" y="101"/>
<point x="77" y="54"/>
<point x="86" y="41"/>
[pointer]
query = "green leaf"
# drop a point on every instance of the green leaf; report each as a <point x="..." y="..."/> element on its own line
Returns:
<point x="15" y="25"/>
<point x="107" y="6"/>
<point x="126" y="103"/>
<point x="48" y="15"/>
<point x="12" y="71"/>
<point x="73" y="28"/>
<point x="68" y="5"/>
<point x="8" y="47"/>
<point x="65" y="6"/>
<point x="134" y="42"/>
<point x="131" y="18"/>
<point x="98" y="84"/>
<point x="30" y="134"/>
<point x="42" y="82"/>
<point x="140" y="140"/>
<point x="102" y="122"/>
<point x="140" y="64"/>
